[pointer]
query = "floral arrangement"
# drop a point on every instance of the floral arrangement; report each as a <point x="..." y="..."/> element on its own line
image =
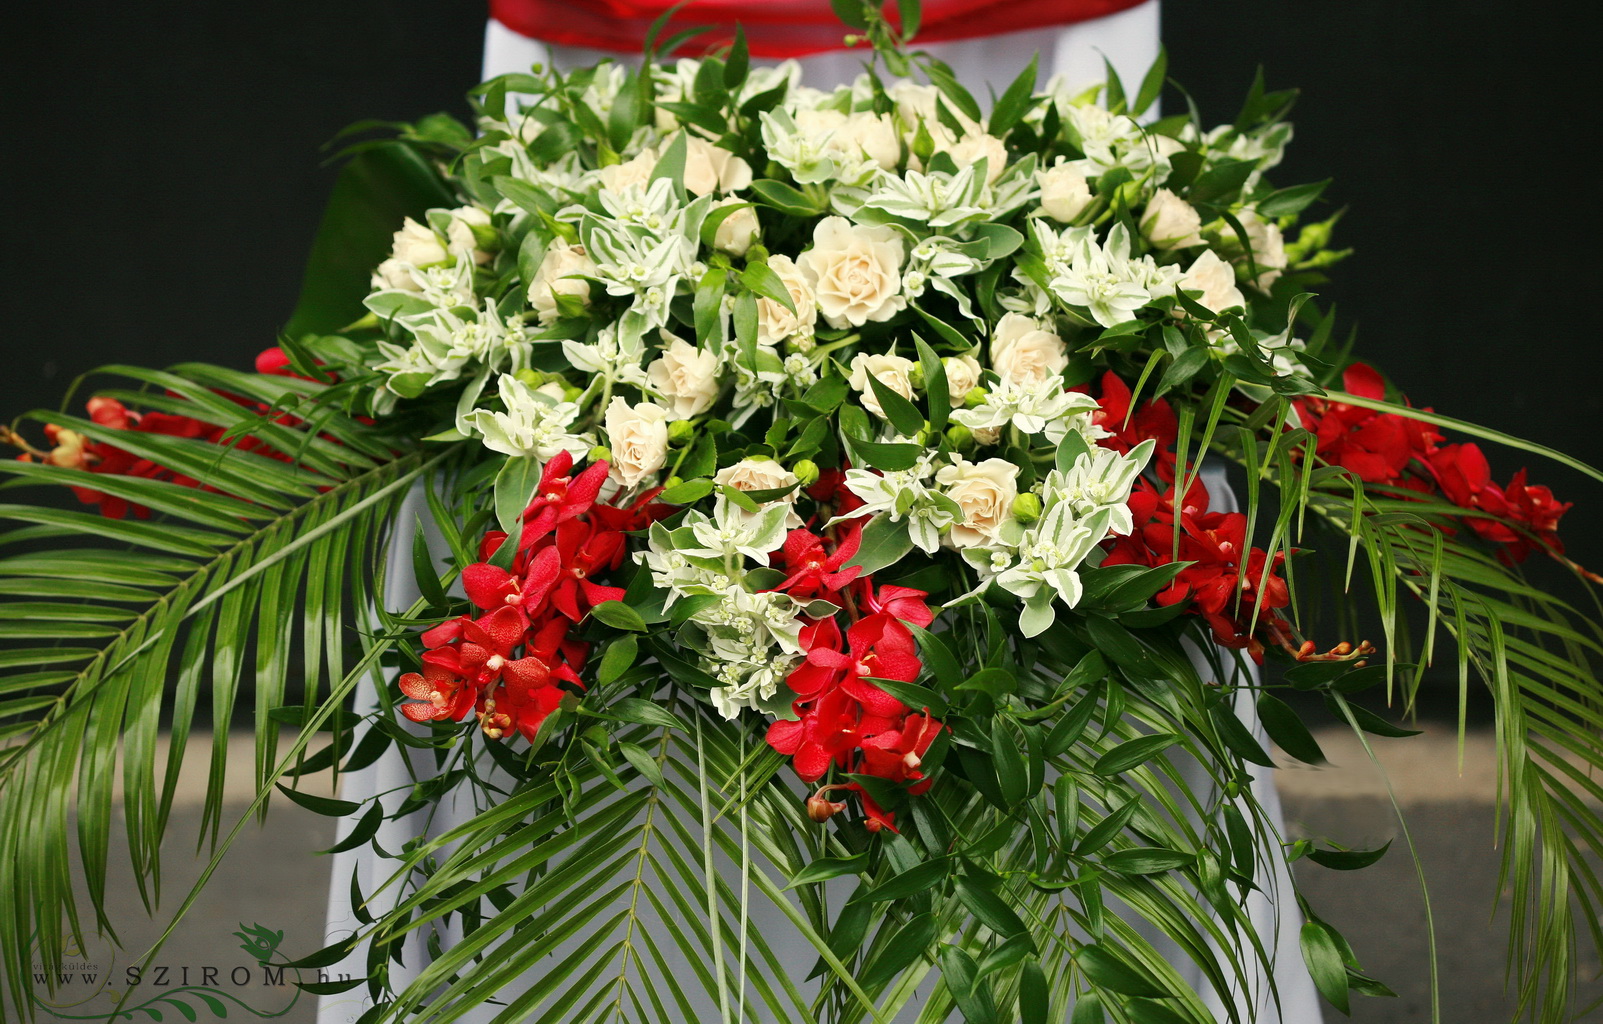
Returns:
<point x="823" y="468"/>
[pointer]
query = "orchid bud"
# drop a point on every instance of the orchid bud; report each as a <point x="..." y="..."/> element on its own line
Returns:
<point x="531" y="377"/>
<point x="821" y="810"/>
<point x="915" y="376"/>
<point x="960" y="437"/>
<point x="600" y="453"/>
<point x="673" y="481"/>
<point x="806" y="472"/>
<point x="680" y="433"/>
<point x="975" y="397"/>
<point x="1026" y="508"/>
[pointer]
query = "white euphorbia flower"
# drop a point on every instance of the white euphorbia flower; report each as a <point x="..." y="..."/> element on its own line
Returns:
<point x="1024" y="352"/>
<point x="775" y="323"/>
<point x="686" y="376"/>
<point x="1099" y="481"/>
<point x="536" y="422"/>
<point x="638" y="438"/>
<point x="937" y="198"/>
<point x="906" y="494"/>
<point x="1103" y="279"/>
<point x="732" y="534"/>
<point x="446" y="286"/>
<point x="893" y="371"/>
<point x="854" y="272"/>
<point x="935" y="262"/>
<point x="653" y="207"/>
<point x="613" y="358"/>
<point x="1034" y="407"/>
<point x="1049" y="554"/>
<point x="984" y="493"/>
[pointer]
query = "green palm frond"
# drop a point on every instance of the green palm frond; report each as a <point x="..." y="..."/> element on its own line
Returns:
<point x="1536" y="654"/>
<point x="627" y="891"/>
<point x="128" y="627"/>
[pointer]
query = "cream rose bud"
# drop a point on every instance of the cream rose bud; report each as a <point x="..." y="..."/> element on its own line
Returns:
<point x="631" y="172"/>
<point x="417" y="245"/>
<point x="875" y="137"/>
<point x="1268" y="248"/>
<point x="393" y="274"/>
<point x="469" y="231"/>
<point x="854" y="271"/>
<point x="1170" y="222"/>
<point x="775" y="323"/>
<point x="974" y="148"/>
<point x="737" y="231"/>
<point x="756" y="475"/>
<point x="1064" y="194"/>
<point x="962" y="376"/>
<point x="554" y="277"/>
<point x="710" y="168"/>
<point x="1216" y="280"/>
<point x="985" y="492"/>
<point x="894" y="372"/>
<point x="1024" y="353"/>
<point x="685" y="375"/>
<point x="638" y="437"/>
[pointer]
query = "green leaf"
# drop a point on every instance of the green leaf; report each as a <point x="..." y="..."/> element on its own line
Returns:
<point x="915" y="879"/>
<point x="1348" y="860"/>
<point x="1034" y="994"/>
<point x="851" y="12"/>
<point x="1132" y="753"/>
<point x="910" y="942"/>
<point x="619" y="616"/>
<point x="785" y="198"/>
<point x="1146" y="860"/>
<point x="989" y="909"/>
<point x="688" y="492"/>
<point x="760" y="278"/>
<point x="375" y="192"/>
<point x="1151" y="84"/>
<point x="937" y="392"/>
<point x="1322" y="954"/>
<point x="1015" y="101"/>
<point x="616" y="658"/>
<point x="645" y="712"/>
<point x="326" y="806"/>
<point x="903" y="415"/>
<point x="1287" y="730"/>
<point x="828" y="867"/>
<point x="1107" y="970"/>
<point x="883" y="543"/>
<point x="1289" y="201"/>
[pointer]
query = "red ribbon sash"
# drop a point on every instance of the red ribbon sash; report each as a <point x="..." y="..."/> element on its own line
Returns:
<point x="774" y="28"/>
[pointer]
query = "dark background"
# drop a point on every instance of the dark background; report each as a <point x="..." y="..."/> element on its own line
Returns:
<point x="162" y="179"/>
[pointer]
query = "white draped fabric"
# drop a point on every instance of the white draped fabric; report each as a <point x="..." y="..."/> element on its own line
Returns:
<point x="1129" y="40"/>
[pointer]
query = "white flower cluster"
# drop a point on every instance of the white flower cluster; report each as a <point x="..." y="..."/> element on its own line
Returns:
<point x="748" y="638"/>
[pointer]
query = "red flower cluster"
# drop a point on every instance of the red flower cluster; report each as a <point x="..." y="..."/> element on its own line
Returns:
<point x="1386" y="448"/>
<point x="508" y="664"/>
<point x="73" y="450"/>
<point x="1224" y="581"/>
<point x="1223" y="584"/>
<point x="844" y="719"/>
<point x="1155" y="421"/>
<point x="1465" y="477"/>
